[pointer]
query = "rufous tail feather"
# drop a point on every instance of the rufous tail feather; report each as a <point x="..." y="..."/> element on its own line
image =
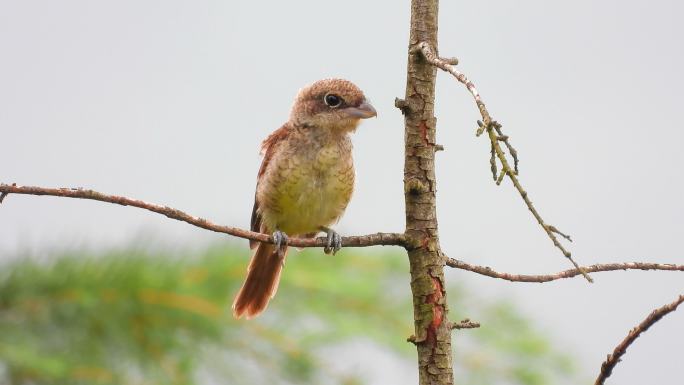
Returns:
<point x="263" y="276"/>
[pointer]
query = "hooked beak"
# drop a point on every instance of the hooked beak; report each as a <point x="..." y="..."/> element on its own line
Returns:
<point x="364" y="111"/>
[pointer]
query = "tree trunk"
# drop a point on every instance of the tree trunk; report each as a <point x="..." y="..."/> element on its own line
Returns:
<point x="432" y="335"/>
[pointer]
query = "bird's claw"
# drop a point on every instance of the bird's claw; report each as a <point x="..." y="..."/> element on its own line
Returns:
<point x="334" y="242"/>
<point x="280" y="239"/>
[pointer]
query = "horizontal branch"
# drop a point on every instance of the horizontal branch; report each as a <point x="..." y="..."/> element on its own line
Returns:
<point x="621" y="349"/>
<point x="386" y="239"/>
<point x="484" y="270"/>
<point x="464" y="324"/>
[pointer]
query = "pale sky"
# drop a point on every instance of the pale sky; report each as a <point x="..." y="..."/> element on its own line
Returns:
<point x="168" y="101"/>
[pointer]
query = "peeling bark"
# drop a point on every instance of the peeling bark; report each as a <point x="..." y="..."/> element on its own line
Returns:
<point x="432" y="334"/>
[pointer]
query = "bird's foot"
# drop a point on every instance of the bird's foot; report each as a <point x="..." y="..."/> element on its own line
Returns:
<point x="280" y="239"/>
<point x="334" y="241"/>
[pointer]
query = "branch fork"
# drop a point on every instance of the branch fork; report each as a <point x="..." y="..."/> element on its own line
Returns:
<point x="495" y="134"/>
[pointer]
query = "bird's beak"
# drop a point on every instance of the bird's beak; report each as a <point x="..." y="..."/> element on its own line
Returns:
<point x="364" y="111"/>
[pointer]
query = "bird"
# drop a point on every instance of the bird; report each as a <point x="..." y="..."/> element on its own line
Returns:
<point x="304" y="184"/>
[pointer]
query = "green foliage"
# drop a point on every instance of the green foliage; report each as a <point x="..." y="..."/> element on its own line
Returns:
<point x="135" y="317"/>
<point x="508" y="346"/>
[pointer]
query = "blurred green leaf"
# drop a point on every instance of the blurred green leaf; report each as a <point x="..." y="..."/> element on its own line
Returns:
<point x="137" y="317"/>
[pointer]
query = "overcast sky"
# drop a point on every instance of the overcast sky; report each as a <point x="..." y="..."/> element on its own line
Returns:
<point x="168" y="101"/>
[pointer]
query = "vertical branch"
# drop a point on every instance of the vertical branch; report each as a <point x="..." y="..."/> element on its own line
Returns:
<point x="432" y="334"/>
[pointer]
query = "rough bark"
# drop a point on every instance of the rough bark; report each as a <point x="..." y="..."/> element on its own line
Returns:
<point x="432" y="335"/>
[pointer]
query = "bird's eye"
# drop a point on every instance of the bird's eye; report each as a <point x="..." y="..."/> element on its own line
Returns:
<point x="332" y="100"/>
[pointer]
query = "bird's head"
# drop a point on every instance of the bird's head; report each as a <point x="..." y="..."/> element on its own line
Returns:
<point x="335" y="104"/>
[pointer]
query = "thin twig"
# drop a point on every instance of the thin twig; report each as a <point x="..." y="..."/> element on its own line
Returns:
<point x="495" y="136"/>
<point x="386" y="239"/>
<point x="485" y="270"/>
<point x="445" y="65"/>
<point x="492" y="163"/>
<point x="555" y="230"/>
<point x="4" y="194"/>
<point x="547" y="228"/>
<point x="511" y="149"/>
<point x="613" y="359"/>
<point x="464" y="324"/>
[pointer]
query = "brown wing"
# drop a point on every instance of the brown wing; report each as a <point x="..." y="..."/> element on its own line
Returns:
<point x="268" y="148"/>
<point x="256" y="223"/>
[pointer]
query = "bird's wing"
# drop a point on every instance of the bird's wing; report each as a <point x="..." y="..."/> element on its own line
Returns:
<point x="268" y="148"/>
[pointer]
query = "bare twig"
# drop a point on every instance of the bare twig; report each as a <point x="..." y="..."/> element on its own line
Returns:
<point x="484" y="270"/>
<point x="495" y="136"/>
<point x="386" y="239"/>
<point x="549" y="229"/>
<point x="553" y="229"/>
<point x="612" y="359"/>
<point x="450" y="60"/>
<point x="504" y="138"/>
<point x="464" y="324"/>
<point x="445" y="65"/>
<point x="4" y="194"/>
<point x="492" y="163"/>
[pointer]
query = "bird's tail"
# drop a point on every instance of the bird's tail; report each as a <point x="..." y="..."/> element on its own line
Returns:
<point x="263" y="275"/>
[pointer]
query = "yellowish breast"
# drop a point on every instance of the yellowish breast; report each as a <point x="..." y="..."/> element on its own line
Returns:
<point x="307" y="190"/>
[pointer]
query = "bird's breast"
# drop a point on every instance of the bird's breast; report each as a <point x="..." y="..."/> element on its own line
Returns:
<point x="307" y="189"/>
